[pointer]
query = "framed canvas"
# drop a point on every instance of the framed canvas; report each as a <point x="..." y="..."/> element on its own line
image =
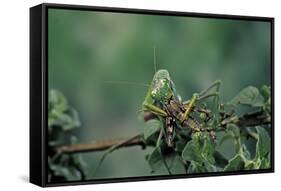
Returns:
<point x="128" y="94"/>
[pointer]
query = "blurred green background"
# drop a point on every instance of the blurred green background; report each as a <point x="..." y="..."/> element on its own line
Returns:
<point x="86" y="49"/>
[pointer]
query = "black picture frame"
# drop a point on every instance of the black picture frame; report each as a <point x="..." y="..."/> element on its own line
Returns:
<point x="39" y="90"/>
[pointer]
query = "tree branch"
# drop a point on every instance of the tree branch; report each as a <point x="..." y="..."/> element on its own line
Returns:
<point x="103" y="144"/>
<point x="254" y="119"/>
<point x="247" y="120"/>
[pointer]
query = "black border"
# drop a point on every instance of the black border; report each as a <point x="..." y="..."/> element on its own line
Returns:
<point x="35" y="144"/>
<point x="39" y="53"/>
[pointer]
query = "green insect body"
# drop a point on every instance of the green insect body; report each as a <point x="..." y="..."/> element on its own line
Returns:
<point x="161" y="86"/>
<point x="162" y="100"/>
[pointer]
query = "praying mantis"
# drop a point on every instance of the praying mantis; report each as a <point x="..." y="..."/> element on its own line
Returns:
<point x="163" y="101"/>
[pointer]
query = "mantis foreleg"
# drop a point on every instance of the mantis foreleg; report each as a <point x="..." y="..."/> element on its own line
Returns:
<point x="154" y="109"/>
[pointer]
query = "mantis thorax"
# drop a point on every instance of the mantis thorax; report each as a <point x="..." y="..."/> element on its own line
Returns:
<point x="161" y="87"/>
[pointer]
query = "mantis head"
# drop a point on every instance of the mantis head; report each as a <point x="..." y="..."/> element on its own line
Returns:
<point x="161" y="87"/>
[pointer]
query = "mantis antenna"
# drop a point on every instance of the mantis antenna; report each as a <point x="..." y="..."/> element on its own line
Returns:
<point x="126" y="83"/>
<point x="136" y="83"/>
<point x="154" y="59"/>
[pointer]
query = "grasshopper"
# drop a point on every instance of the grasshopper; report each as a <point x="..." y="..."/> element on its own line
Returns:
<point x="163" y="101"/>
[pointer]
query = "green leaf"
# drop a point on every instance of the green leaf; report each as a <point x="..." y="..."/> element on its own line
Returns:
<point x="60" y="114"/>
<point x="192" y="151"/>
<point x="265" y="92"/>
<point x="171" y="160"/>
<point x="249" y="96"/>
<point x="195" y="168"/>
<point x="75" y="117"/>
<point x="234" y="129"/>
<point x="210" y="167"/>
<point x="199" y="150"/>
<point x="208" y="150"/>
<point x="151" y="127"/>
<point x="236" y="163"/>
<point x="206" y="166"/>
<point x="221" y="161"/>
<point x="69" y="173"/>
<point x="57" y="101"/>
<point x="225" y="138"/>
<point x="263" y="147"/>
<point x="156" y="160"/>
<point x="180" y="144"/>
<point x="245" y="153"/>
<point x="265" y="163"/>
<point x="241" y="161"/>
<point x="251" y="165"/>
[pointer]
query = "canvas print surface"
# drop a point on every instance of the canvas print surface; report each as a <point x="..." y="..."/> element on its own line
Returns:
<point x="140" y="95"/>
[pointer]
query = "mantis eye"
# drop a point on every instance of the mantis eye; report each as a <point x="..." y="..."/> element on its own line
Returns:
<point x="164" y="82"/>
<point x="153" y="93"/>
